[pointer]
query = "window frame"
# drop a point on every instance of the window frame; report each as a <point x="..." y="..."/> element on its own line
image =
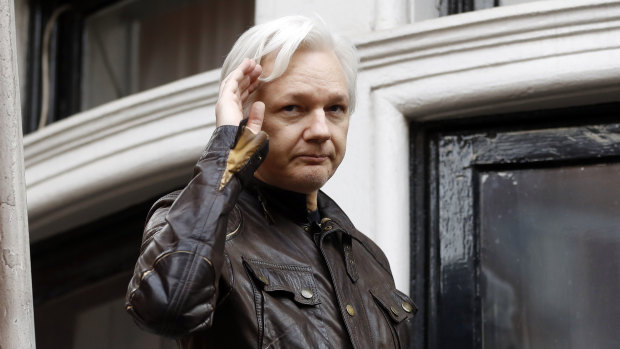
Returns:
<point x="65" y="58"/>
<point x="448" y="295"/>
<point x="66" y="55"/>
<point x="453" y="7"/>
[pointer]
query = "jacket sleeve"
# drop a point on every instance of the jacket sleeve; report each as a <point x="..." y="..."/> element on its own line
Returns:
<point x="175" y="282"/>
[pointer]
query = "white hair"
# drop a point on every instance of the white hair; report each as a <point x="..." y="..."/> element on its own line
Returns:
<point x="285" y="36"/>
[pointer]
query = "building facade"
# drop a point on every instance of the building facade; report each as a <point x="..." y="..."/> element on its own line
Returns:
<point x="481" y="155"/>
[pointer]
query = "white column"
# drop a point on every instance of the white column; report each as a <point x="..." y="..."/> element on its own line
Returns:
<point x="391" y="159"/>
<point x="16" y="311"/>
<point x="391" y="13"/>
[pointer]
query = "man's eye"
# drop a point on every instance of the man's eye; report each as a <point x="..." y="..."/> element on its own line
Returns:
<point x="290" y="108"/>
<point x="337" y="108"/>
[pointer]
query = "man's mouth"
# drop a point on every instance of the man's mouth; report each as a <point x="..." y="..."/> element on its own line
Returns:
<point x="313" y="159"/>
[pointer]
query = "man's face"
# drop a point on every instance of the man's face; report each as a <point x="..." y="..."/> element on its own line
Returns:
<point x="307" y="119"/>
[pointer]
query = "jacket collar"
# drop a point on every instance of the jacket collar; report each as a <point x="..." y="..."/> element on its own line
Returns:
<point x="330" y="209"/>
<point x="292" y="205"/>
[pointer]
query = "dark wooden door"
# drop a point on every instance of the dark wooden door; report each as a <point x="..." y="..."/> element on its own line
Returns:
<point x="519" y="232"/>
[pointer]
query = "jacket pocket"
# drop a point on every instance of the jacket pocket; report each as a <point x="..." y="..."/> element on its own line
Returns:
<point x="398" y="309"/>
<point x="287" y="304"/>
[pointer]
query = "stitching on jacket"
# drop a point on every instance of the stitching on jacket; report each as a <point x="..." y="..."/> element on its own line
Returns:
<point x="258" y="299"/>
<point x="178" y="296"/>
<point x="231" y="235"/>
<point x="197" y="232"/>
<point x="372" y="251"/>
<point x="231" y="287"/>
<point x="180" y="293"/>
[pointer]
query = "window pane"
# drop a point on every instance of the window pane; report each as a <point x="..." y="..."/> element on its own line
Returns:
<point x="550" y="257"/>
<point x="141" y="44"/>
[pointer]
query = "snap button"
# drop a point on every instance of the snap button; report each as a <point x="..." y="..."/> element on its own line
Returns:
<point x="394" y="311"/>
<point x="306" y="293"/>
<point x="350" y="310"/>
<point x="263" y="279"/>
<point x="407" y="307"/>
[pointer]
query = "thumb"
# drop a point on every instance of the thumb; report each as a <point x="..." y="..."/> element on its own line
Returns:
<point x="255" y="119"/>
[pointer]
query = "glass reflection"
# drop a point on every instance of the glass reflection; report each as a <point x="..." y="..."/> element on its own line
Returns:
<point x="135" y="45"/>
<point x="550" y="260"/>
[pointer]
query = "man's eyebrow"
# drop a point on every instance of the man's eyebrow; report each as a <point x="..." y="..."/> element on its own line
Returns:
<point x="341" y="97"/>
<point x="336" y="97"/>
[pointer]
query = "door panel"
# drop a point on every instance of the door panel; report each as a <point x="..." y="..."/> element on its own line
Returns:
<point x="550" y="257"/>
<point x="523" y="244"/>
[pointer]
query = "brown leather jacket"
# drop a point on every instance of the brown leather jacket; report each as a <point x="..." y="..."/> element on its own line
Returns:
<point x="230" y="262"/>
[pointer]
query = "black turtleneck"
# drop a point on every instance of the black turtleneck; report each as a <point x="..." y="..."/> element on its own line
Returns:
<point x="288" y="203"/>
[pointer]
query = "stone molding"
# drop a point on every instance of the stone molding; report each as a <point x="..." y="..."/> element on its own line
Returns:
<point x="532" y="56"/>
<point x="502" y="59"/>
<point x="116" y="155"/>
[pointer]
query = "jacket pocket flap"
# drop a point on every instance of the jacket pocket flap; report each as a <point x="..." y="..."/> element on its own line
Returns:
<point x="296" y="280"/>
<point x="394" y="303"/>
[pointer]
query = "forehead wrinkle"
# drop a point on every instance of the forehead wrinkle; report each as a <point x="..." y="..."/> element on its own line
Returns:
<point x="299" y="89"/>
<point x="305" y="73"/>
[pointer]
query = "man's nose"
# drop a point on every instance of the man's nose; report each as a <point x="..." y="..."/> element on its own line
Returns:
<point x="318" y="129"/>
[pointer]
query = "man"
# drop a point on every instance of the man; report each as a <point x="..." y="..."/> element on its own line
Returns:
<point x="251" y="254"/>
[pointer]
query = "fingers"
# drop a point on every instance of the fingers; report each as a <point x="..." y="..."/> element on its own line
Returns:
<point x="255" y="74"/>
<point x="234" y="90"/>
<point x="250" y="82"/>
<point x="255" y="119"/>
<point x="238" y="77"/>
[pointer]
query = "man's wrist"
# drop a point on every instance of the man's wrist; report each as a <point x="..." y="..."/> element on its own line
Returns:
<point x="248" y="151"/>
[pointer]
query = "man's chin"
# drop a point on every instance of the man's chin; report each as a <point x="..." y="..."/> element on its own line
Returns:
<point x="312" y="183"/>
<point x="305" y="182"/>
<point x="313" y="179"/>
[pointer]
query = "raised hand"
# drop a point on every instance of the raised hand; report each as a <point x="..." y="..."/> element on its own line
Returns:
<point x="234" y="90"/>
